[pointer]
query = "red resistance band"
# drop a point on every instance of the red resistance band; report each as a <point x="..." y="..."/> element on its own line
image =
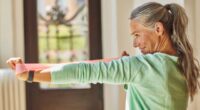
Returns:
<point x="20" y="68"/>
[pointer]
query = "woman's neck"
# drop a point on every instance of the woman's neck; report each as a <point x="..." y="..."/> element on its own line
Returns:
<point x="166" y="46"/>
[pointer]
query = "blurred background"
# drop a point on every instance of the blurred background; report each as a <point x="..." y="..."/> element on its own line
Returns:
<point x="57" y="31"/>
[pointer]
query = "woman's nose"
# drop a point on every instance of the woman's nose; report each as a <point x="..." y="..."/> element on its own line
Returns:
<point x="135" y="43"/>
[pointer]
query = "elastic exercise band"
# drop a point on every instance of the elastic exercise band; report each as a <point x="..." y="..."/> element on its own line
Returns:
<point x="20" y="68"/>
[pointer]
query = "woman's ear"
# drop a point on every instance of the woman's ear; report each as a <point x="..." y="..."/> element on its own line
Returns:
<point x="159" y="28"/>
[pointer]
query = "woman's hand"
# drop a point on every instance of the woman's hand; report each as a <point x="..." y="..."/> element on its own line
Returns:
<point x="12" y="62"/>
<point x="124" y="53"/>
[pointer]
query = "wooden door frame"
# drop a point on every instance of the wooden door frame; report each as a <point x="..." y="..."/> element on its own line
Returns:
<point x="31" y="39"/>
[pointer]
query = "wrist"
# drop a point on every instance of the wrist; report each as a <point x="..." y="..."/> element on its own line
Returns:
<point x="22" y="76"/>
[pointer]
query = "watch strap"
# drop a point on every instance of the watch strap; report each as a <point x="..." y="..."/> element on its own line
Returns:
<point x="30" y="76"/>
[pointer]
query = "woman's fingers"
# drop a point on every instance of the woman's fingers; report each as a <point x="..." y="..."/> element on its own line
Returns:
<point x="13" y="61"/>
<point x="19" y="60"/>
<point x="124" y="53"/>
<point x="12" y="64"/>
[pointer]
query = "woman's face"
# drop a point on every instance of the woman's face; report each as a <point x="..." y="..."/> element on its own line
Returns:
<point x="146" y="39"/>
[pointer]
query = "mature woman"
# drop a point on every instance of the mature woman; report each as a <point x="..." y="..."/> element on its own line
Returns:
<point x="162" y="78"/>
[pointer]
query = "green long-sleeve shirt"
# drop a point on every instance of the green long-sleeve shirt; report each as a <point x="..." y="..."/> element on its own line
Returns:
<point x="153" y="81"/>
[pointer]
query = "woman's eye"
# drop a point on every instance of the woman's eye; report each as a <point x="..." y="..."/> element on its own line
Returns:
<point x="135" y="35"/>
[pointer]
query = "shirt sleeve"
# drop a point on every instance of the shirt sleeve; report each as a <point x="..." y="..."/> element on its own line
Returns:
<point x="121" y="71"/>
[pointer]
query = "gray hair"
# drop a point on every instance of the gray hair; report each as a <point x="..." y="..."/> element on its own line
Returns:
<point x="175" y="21"/>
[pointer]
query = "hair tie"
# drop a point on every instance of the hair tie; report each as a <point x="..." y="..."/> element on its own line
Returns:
<point x="168" y="8"/>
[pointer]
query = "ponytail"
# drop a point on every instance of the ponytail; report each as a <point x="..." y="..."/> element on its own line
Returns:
<point x="188" y="64"/>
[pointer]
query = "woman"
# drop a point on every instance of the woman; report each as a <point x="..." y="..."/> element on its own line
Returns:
<point x="161" y="79"/>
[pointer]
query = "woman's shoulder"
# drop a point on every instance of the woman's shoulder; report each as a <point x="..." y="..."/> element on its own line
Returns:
<point x="157" y="55"/>
<point x="155" y="58"/>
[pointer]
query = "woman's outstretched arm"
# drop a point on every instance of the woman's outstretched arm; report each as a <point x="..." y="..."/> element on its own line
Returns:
<point x="39" y="76"/>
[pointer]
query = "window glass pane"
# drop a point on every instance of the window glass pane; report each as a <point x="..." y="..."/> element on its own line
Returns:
<point x="62" y="34"/>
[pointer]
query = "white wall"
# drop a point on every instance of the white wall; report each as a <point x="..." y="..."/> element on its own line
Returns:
<point x="11" y="37"/>
<point x="6" y="30"/>
<point x="192" y="8"/>
<point x="11" y="30"/>
<point x="109" y="34"/>
<point x="116" y="38"/>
